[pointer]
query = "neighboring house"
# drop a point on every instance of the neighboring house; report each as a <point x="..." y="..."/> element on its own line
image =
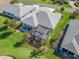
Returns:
<point x="17" y="11"/>
<point x="70" y="42"/>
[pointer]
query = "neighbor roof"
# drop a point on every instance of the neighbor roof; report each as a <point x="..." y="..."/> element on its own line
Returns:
<point x="71" y="39"/>
<point x="18" y="10"/>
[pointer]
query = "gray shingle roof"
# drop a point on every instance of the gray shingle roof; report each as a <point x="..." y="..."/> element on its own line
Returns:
<point x="50" y="19"/>
<point x="18" y="10"/>
<point x="43" y="19"/>
<point x="29" y="21"/>
<point x="71" y="39"/>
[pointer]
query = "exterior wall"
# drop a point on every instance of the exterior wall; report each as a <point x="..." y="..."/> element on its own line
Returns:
<point x="66" y="54"/>
<point x="11" y="15"/>
<point x="25" y="27"/>
<point x="7" y="14"/>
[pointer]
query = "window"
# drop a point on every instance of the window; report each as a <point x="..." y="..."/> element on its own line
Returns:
<point x="64" y="50"/>
<point x="71" y="53"/>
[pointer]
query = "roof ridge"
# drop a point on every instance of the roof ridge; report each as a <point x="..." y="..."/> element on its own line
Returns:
<point x="75" y="45"/>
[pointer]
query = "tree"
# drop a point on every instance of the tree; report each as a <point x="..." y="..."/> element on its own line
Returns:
<point x="76" y="3"/>
<point x="35" y="53"/>
<point x="14" y="1"/>
<point x="74" y="14"/>
<point x="62" y="9"/>
<point x="19" y="43"/>
<point x="27" y="36"/>
<point x="12" y="23"/>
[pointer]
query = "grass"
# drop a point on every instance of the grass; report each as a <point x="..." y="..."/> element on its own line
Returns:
<point x="50" y="2"/>
<point x="64" y="5"/>
<point x="43" y="1"/>
<point x="7" y="45"/>
<point x="77" y="17"/>
<point x="57" y="31"/>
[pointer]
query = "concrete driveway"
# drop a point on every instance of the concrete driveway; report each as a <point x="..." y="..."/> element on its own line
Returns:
<point x="4" y="3"/>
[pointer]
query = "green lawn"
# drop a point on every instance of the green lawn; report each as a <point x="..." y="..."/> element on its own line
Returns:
<point x="50" y="2"/>
<point x="43" y="1"/>
<point x="57" y="31"/>
<point x="64" y="5"/>
<point x="7" y="45"/>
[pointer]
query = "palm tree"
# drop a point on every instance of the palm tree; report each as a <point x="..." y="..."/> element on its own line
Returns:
<point x="35" y="53"/>
<point x="76" y="3"/>
<point x="14" y="1"/>
<point x="74" y="14"/>
<point x="27" y="36"/>
<point x="62" y="9"/>
<point x="13" y="23"/>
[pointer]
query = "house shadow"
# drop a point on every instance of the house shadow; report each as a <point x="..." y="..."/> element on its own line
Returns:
<point x="3" y="28"/>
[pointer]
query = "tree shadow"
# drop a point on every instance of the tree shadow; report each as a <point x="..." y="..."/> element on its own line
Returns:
<point x="19" y="44"/>
<point x="5" y="35"/>
<point x="3" y="28"/>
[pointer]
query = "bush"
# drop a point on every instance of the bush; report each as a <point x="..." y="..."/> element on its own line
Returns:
<point x="5" y="35"/>
<point x="19" y="43"/>
<point x="3" y="28"/>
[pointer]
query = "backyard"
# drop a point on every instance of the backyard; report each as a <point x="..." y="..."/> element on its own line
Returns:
<point x="7" y="45"/>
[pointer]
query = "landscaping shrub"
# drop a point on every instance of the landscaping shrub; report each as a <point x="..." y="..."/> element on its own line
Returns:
<point x="18" y="44"/>
<point x="5" y="35"/>
<point x="3" y="28"/>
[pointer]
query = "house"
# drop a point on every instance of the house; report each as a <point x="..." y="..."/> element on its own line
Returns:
<point x="29" y="22"/>
<point x="42" y="22"/>
<point x="70" y="42"/>
<point x="17" y="11"/>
